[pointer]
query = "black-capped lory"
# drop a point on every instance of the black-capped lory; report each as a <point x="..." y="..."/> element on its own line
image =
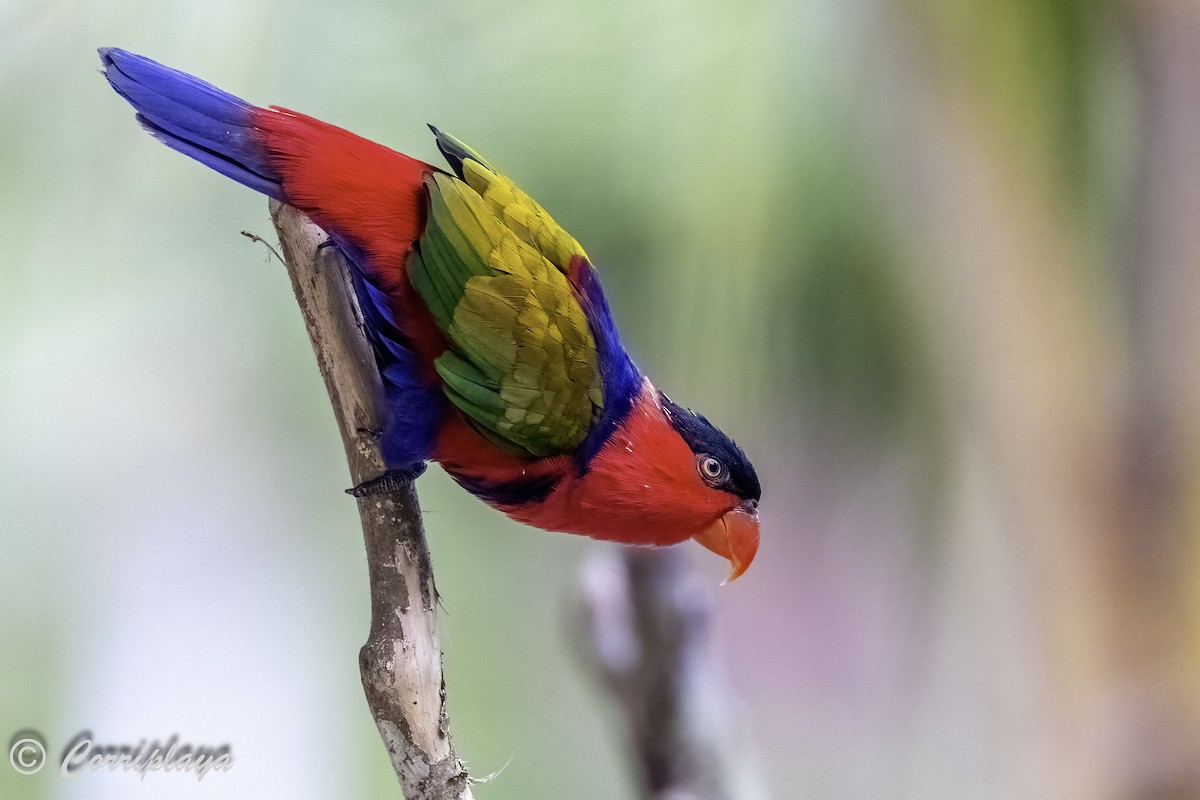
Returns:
<point x="497" y="351"/>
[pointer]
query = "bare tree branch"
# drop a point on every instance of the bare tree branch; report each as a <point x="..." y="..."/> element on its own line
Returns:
<point x="401" y="663"/>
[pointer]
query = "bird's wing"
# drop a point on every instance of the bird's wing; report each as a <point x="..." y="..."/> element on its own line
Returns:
<point x="493" y="269"/>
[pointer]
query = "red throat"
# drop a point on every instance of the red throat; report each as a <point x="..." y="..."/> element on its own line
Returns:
<point x="641" y="488"/>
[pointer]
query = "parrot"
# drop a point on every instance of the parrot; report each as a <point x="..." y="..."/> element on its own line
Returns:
<point x="497" y="351"/>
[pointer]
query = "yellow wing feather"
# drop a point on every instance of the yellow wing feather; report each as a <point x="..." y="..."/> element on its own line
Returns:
<point x="523" y="364"/>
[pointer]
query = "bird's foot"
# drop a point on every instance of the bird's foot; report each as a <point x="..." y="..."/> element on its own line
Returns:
<point x="389" y="481"/>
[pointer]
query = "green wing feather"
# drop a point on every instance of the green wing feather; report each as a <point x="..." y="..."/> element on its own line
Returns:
<point x="491" y="268"/>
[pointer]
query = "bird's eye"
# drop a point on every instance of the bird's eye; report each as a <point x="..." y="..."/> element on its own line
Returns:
<point x="711" y="468"/>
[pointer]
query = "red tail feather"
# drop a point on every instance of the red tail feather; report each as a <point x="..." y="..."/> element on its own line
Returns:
<point x="368" y="193"/>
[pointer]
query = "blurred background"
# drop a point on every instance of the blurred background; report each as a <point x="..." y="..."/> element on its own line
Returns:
<point x="934" y="264"/>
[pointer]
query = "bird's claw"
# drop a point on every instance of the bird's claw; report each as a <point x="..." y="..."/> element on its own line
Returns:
<point x="389" y="481"/>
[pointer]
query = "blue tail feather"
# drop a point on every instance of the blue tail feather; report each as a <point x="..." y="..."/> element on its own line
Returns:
<point x="217" y="129"/>
<point x="193" y="117"/>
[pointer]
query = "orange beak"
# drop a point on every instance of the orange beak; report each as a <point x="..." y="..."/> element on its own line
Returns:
<point x="734" y="536"/>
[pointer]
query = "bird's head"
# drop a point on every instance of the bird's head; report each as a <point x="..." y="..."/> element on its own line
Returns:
<point x="663" y="476"/>
<point x="725" y="478"/>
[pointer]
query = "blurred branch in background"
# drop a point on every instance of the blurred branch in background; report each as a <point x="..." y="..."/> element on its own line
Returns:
<point x="401" y="663"/>
<point x="644" y="632"/>
<point x="1164" y="284"/>
<point x="1161" y="541"/>
<point x="1080" y="411"/>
